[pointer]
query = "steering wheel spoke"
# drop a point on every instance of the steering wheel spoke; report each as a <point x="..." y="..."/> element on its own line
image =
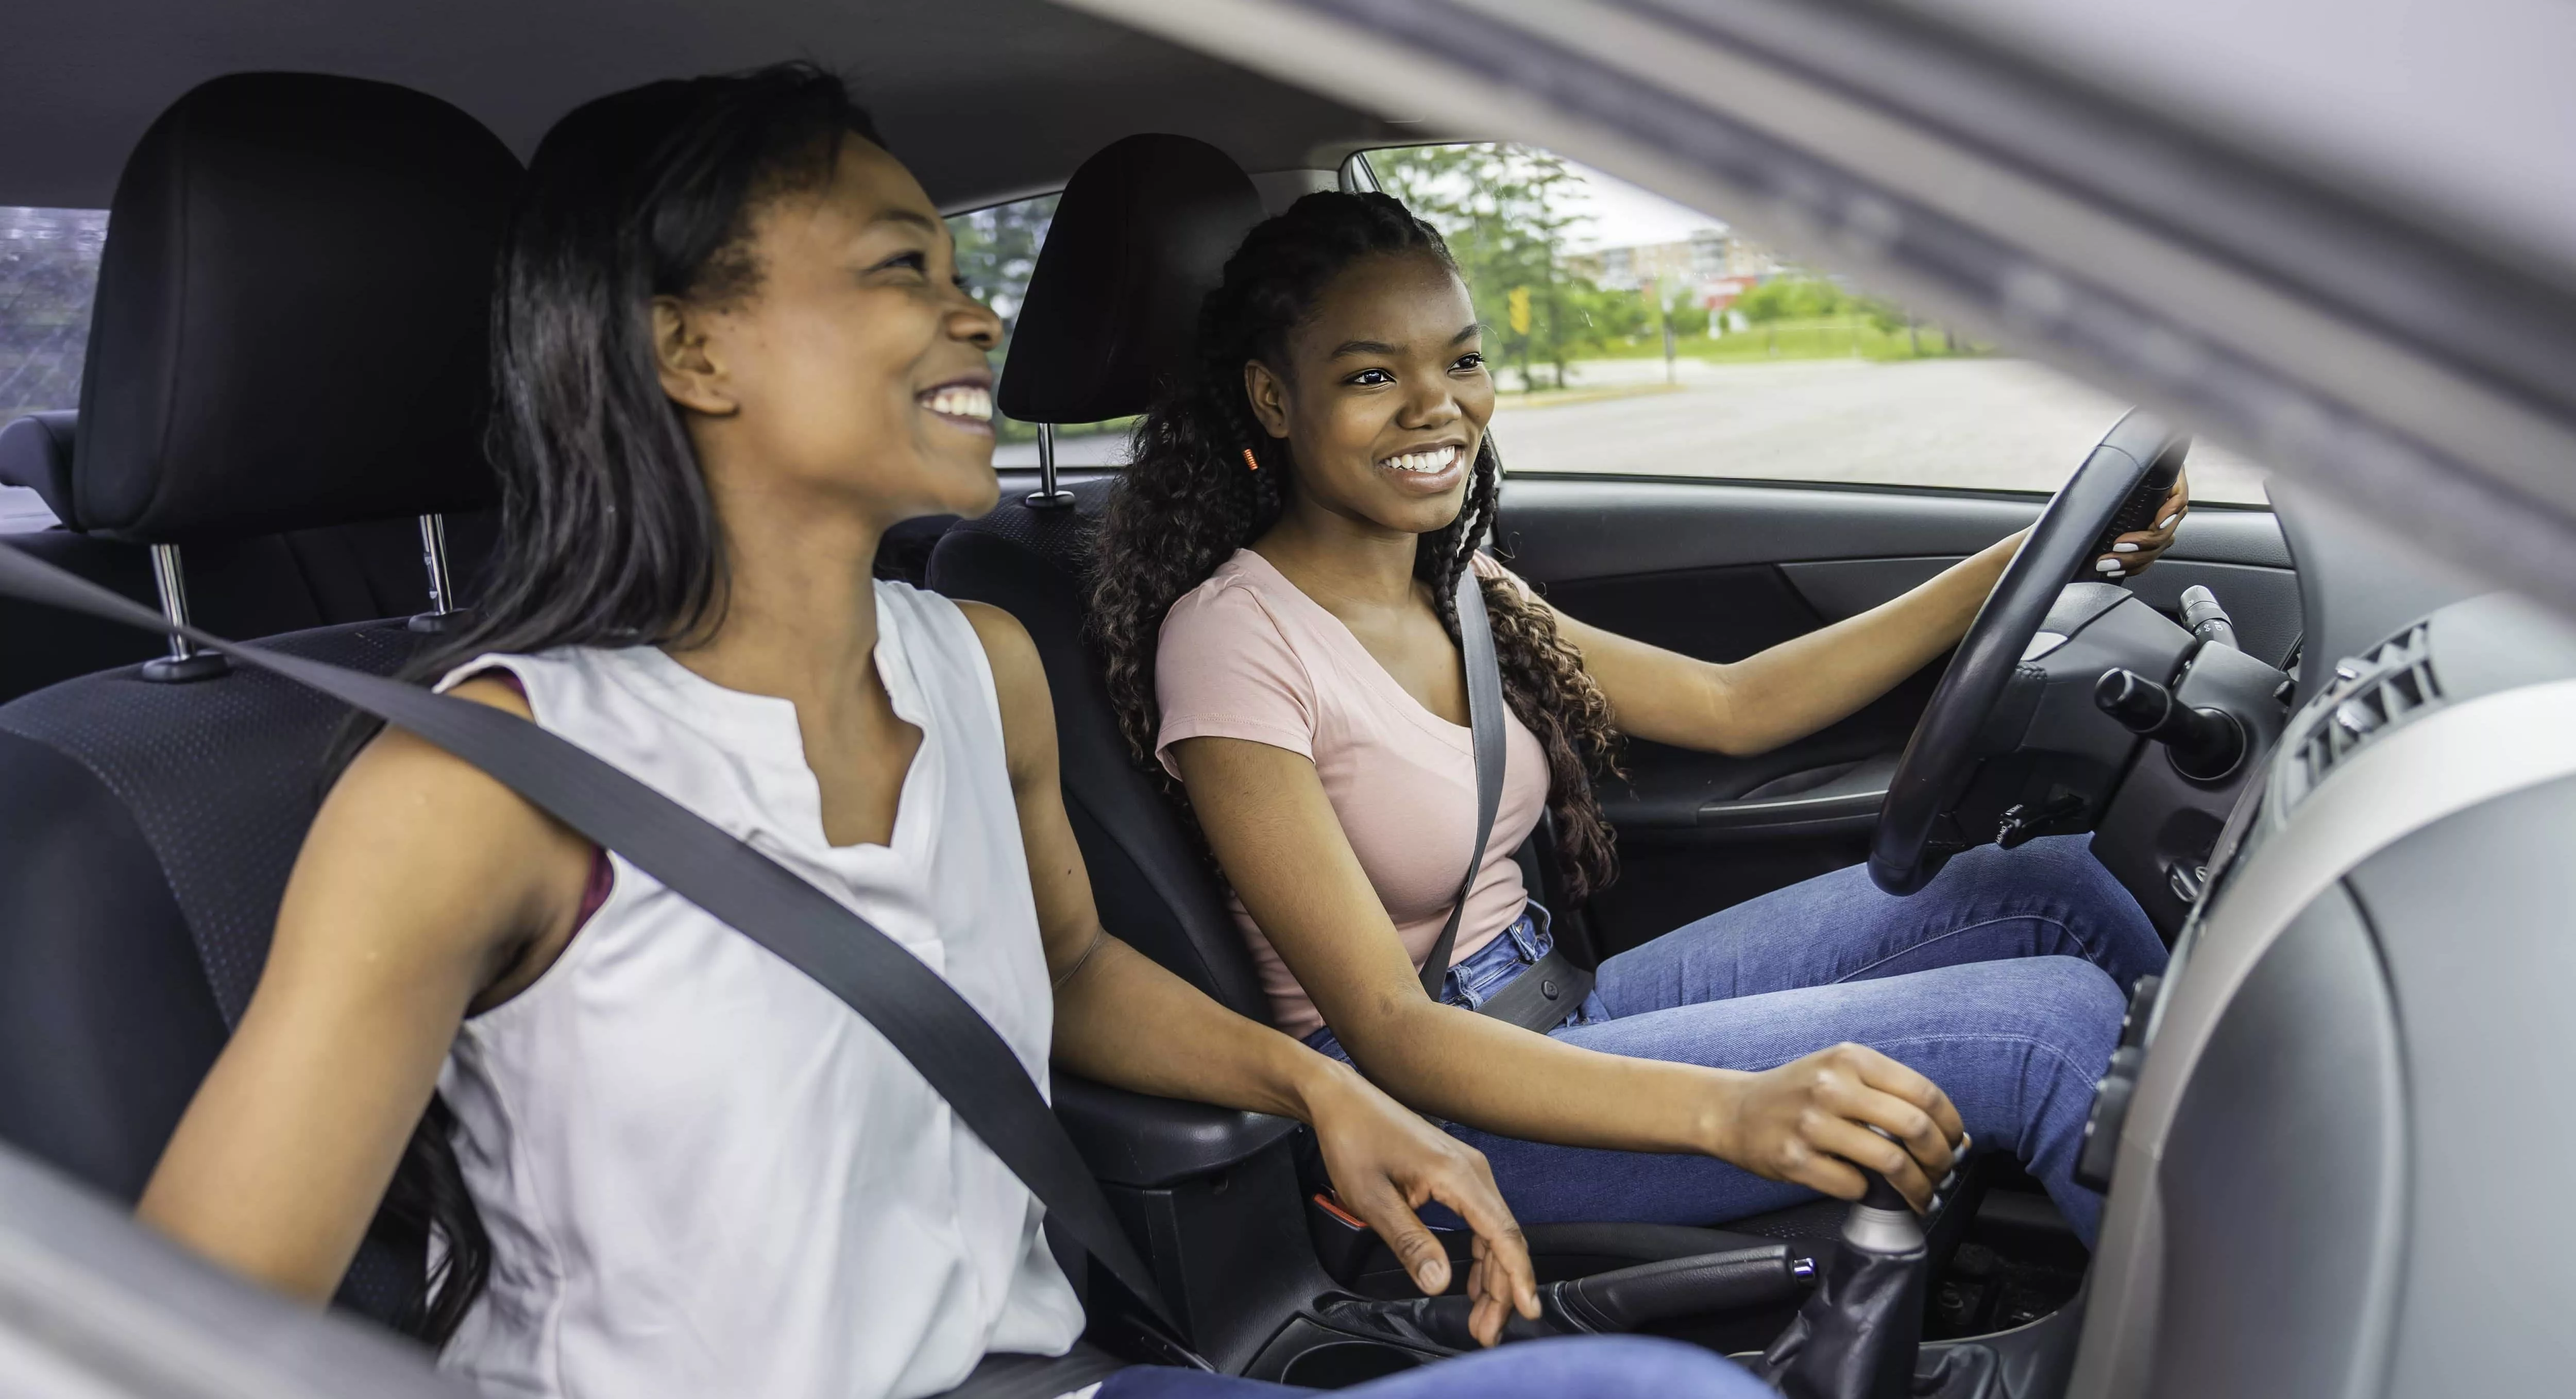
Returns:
<point x="1918" y="829"/>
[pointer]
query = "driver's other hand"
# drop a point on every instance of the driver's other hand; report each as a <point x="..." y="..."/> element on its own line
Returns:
<point x="1808" y="1122"/>
<point x="1386" y="1162"/>
<point x="2131" y="553"/>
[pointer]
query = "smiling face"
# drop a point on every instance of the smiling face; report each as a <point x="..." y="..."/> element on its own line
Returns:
<point x="1384" y="397"/>
<point x="852" y="371"/>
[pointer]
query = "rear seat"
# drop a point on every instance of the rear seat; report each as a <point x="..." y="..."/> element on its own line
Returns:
<point x="324" y="371"/>
<point x="256" y="320"/>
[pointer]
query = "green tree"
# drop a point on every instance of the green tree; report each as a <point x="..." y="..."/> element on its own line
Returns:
<point x="1791" y="298"/>
<point x="1505" y="210"/>
<point x="997" y="251"/>
<point x="1611" y="316"/>
<point x="1889" y="318"/>
<point x="1687" y="317"/>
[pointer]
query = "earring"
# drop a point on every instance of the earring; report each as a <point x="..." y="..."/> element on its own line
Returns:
<point x="1250" y="462"/>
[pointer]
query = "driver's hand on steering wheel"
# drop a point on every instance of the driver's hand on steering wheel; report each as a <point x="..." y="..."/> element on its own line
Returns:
<point x="2132" y="552"/>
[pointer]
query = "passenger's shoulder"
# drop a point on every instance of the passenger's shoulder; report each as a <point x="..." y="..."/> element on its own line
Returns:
<point x="1232" y="607"/>
<point x="1007" y="644"/>
<point x="408" y="816"/>
<point x="1493" y="570"/>
<point x="1019" y="674"/>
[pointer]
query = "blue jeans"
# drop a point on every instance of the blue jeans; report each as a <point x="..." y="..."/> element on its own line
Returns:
<point x="1564" y="1367"/>
<point x="2003" y="981"/>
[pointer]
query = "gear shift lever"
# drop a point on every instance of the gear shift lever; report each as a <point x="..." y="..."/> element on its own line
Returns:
<point x="1856" y="1338"/>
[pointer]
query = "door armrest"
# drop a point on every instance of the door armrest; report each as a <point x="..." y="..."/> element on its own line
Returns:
<point x="1839" y="799"/>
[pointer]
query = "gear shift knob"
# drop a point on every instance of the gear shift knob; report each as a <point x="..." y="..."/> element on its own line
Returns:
<point x="1882" y="1223"/>
<point x="1881" y="1195"/>
<point x="1857" y="1337"/>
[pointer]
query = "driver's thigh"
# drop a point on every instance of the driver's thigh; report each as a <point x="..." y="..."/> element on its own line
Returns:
<point x="2017" y="1046"/>
<point x="2049" y="898"/>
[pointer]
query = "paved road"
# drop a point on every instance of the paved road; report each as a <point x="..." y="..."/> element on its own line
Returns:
<point x="1995" y="423"/>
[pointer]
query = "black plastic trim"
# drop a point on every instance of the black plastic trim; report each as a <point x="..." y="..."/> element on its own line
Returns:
<point x="1148" y="1143"/>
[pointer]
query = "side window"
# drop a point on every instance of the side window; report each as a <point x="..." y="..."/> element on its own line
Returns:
<point x="1634" y="336"/>
<point x="48" y="273"/>
<point x="997" y="250"/>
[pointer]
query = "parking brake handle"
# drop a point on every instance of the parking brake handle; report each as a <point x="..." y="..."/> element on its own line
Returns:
<point x="1764" y="1275"/>
<point x="1627" y="1298"/>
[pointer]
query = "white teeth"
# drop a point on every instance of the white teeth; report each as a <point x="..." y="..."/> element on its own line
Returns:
<point x="958" y="401"/>
<point x="1429" y="463"/>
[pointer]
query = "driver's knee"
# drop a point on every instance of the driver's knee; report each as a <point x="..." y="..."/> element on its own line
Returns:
<point x="2042" y="1022"/>
<point x="2018" y="1046"/>
<point x="2070" y="1003"/>
<point x="2057" y="876"/>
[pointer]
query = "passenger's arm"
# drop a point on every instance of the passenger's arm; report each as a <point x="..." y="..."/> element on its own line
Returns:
<point x="1126" y="1021"/>
<point x="420" y="884"/>
<point x="1804" y="684"/>
<point x="1274" y="830"/>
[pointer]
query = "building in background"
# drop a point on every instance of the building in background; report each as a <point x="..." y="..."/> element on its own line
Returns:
<point x="1711" y="268"/>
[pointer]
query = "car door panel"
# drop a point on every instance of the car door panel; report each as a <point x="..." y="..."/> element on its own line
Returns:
<point x="2262" y="600"/>
<point x="1720" y="570"/>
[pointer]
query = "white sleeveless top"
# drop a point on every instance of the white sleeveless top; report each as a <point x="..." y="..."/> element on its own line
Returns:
<point x="702" y="1173"/>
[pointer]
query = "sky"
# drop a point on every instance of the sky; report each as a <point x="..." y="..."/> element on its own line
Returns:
<point x="1623" y="215"/>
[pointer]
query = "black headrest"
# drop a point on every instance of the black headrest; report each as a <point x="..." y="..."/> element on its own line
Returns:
<point x="36" y="452"/>
<point x="1138" y="241"/>
<point x="291" y="312"/>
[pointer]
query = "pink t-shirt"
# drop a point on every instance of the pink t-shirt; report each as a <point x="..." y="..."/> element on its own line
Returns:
<point x="1246" y="655"/>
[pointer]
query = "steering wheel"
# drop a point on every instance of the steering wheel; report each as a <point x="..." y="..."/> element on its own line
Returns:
<point x="1943" y="754"/>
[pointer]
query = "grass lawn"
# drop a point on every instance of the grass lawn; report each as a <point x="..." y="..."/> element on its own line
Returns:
<point x="1830" y="337"/>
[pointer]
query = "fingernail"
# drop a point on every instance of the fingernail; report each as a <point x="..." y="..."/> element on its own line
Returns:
<point x="2107" y="566"/>
<point x="2124" y="547"/>
<point x="2167" y="521"/>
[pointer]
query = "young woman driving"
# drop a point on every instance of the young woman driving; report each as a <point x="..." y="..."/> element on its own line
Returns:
<point x="1274" y="605"/>
<point x="731" y="351"/>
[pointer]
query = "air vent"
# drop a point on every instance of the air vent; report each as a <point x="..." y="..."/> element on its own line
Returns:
<point x="2370" y="695"/>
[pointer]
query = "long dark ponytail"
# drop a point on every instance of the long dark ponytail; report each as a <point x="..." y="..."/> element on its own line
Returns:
<point x="608" y="536"/>
<point x="1190" y="498"/>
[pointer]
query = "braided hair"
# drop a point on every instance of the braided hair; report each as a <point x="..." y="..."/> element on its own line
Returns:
<point x="1206" y="480"/>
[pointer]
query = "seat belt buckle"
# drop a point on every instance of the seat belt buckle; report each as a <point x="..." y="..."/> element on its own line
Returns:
<point x="1342" y="1239"/>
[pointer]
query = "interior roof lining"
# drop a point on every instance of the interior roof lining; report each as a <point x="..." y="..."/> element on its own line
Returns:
<point x="988" y="100"/>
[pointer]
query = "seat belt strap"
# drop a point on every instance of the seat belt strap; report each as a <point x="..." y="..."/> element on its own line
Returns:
<point x="1485" y="725"/>
<point x="946" y="1040"/>
<point x="1545" y="993"/>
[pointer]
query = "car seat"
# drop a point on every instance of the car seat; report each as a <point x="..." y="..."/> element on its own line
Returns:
<point x="248" y="219"/>
<point x="291" y="335"/>
<point x="1140" y="236"/>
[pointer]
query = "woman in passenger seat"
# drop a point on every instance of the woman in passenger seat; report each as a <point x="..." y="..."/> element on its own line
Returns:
<point x="731" y="351"/>
<point x="1275" y="609"/>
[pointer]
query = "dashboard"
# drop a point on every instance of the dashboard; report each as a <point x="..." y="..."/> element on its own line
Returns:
<point x="2331" y="1137"/>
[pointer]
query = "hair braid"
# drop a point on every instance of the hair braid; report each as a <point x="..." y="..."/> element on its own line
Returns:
<point x="1188" y="500"/>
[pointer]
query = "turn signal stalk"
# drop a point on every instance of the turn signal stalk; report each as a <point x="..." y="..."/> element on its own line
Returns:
<point x="2206" y="744"/>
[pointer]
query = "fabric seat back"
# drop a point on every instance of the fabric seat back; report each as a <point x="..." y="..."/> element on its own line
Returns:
<point x="147" y="829"/>
<point x="1139" y="238"/>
